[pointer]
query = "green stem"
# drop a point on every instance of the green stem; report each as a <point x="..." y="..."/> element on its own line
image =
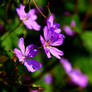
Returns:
<point x="38" y="9"/>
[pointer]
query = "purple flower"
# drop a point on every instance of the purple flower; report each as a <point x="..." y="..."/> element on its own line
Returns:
<point x="24" y="56"/>
<point x="69" y="29"/>
<point x="29" y="18"/>
<point x="48" y="78"/>
<point x="66" y="64"/>
<point x="52" y="37"/>
<point x="75" y="74"/>
<point x="51" y="25"/>
<point x="78" y="78"/>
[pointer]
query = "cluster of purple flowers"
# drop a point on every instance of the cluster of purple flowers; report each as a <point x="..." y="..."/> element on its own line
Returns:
<point x="52" y="37"/>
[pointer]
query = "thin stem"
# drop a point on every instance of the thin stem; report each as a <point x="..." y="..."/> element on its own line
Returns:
<point x="76" y="6"/>
<point x="87" y="15"/>
<point x="38" y="9"/>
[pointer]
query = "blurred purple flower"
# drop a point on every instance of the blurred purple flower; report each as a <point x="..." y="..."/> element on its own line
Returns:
<point x="52" y="37"/>
<point x="68" y="29"/>
<point x="24" y="56"/>
<point x="48" y="78"/>
<point x="76" y="76"/>
<point x="29" y="18"/>
<point x="66" y="64"/>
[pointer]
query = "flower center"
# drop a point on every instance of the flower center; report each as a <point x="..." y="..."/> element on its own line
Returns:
<point x="26" y="17"/>
<point x="46" y="44"/>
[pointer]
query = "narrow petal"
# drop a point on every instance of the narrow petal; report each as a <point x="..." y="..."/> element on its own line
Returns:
<point x="29" y="67"/>
<point x="46" y="50"/>
<point x="27" y="24"/>
<point x="35" y="64"/>
<point x="50" y="20"/>
<point x="21" y="12"/>
<point x="57" y="40"/>
<point x="32" y="14"/>
<point x="31" y="51"/>
<point x="46" y="33"/>
<point x="35" y="25"/>
<point x="66" y="64"/>
<point x="58" y="30"/>
<point x="21" y="45"/>
<point x="18" y="54"/>
<point x="31" y="24"/>
<point x="28" y="49"/>
<point x="56" y="52"/>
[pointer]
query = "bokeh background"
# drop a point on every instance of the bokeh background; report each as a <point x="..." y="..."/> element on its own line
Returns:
<point x="14" y="76"/>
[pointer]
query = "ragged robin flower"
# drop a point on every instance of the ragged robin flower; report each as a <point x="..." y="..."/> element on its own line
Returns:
<point x="29" y="19"/>
<point x="52" y="37"/>
<point x="25" y="54"/>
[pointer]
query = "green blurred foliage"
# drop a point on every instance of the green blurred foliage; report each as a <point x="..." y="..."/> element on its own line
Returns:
<point x="87" y="40"/>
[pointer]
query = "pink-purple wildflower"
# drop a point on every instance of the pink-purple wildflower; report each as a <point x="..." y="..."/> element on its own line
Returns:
<point x="52" y="37"/>
<point x="29" y="19"/>
<point x="24" y="55"/>
<point x="75" y="74"/>
<point x="69" y="30"/>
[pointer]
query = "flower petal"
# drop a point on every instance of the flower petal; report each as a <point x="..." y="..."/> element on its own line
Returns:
<point x="50" y="20"/>
<point x="46" y="50"/>
<point x="35" y="64"/>
<point x="32" y="14"/>
<point x="78" y="78"/>
<point x="57" y="40"/>
<point x="29" y="67"/>
<point x="68" y="31"/>
<point x="31" y="51"/>
<point x="46" y="33"/>
<point x="28" y="49"/>
<point x="56" y="52"/>
<point x="42" y="40"/>
<point x="21" y="45"/>
<point x="32" y="24"/>
<point x="18" y="54"/>
<point x="27" y="24"/>
<point x="35" y="25"/>
<point x="58" y="30"/>
<point x="66" y="64"/>
<point x="21" y="12"/>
